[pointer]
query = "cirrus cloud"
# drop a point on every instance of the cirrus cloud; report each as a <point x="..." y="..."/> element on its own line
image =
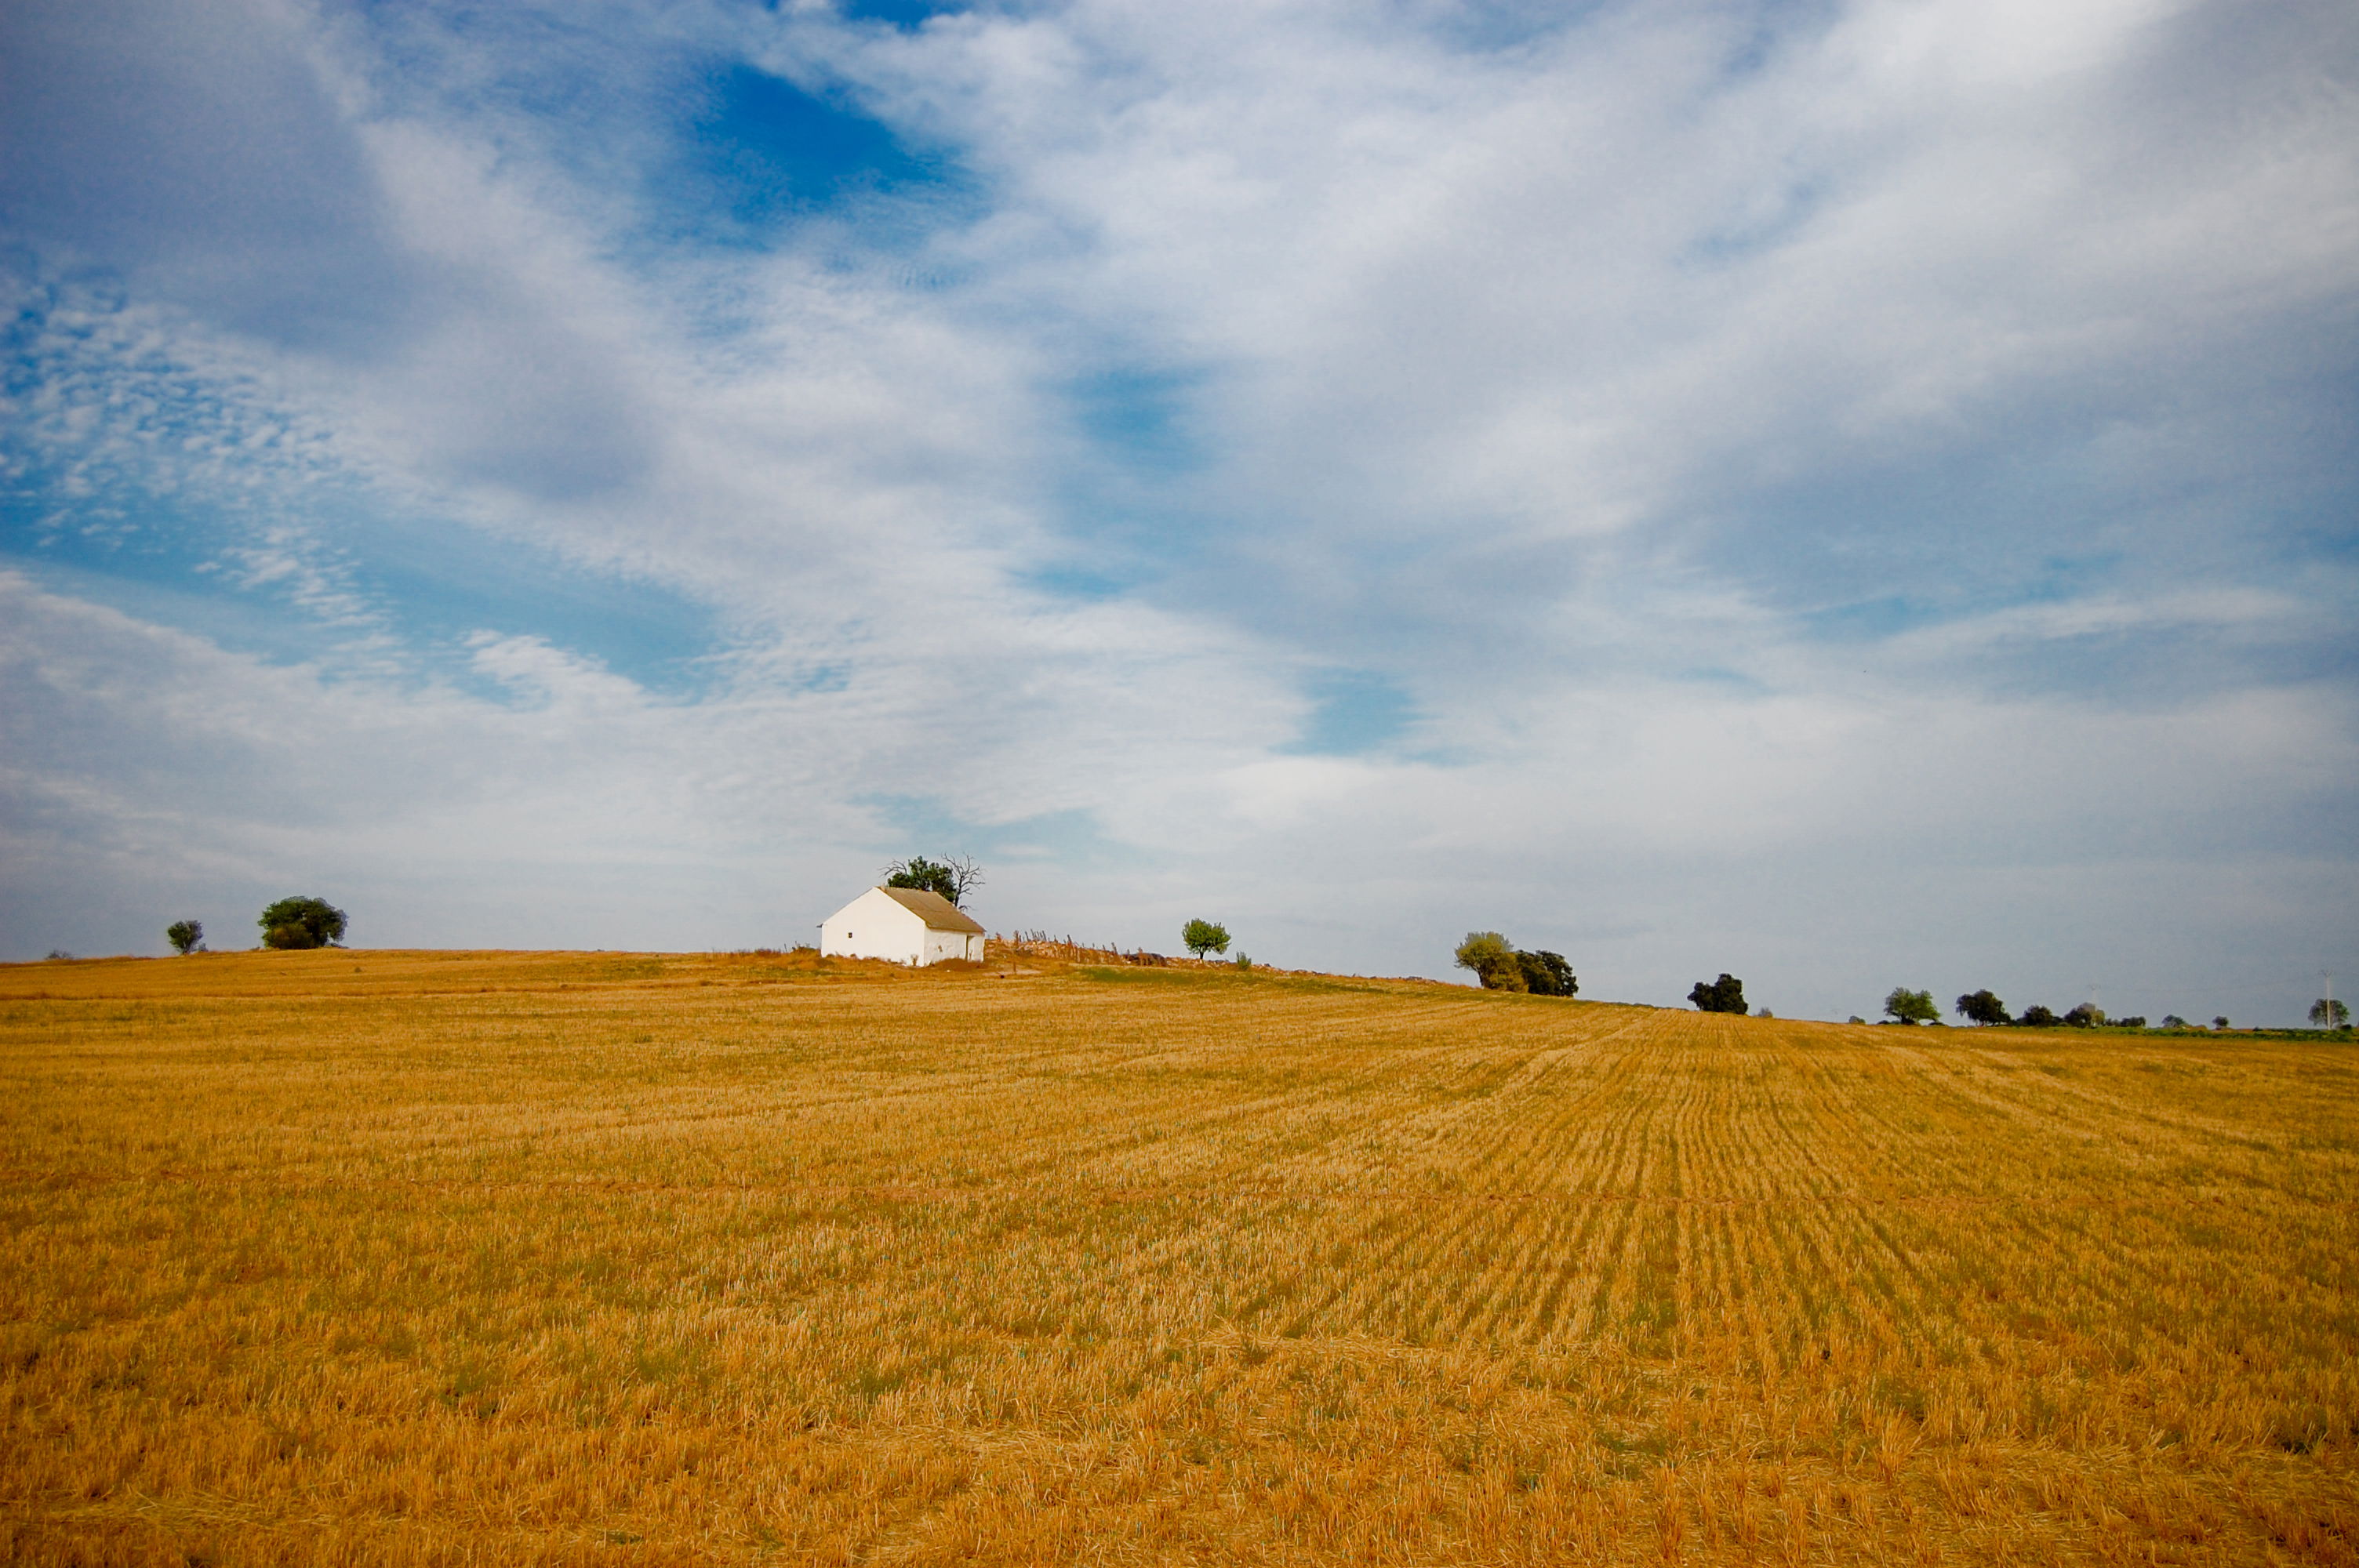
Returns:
<point x="1856" y="490"/>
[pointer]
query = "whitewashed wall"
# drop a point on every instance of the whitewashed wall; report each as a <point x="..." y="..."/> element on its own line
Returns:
<point x="941" y="945"/>
<point x="874" y="926"/>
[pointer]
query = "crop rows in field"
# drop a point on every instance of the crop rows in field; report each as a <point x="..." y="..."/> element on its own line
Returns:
<point x="626" y="1258"/>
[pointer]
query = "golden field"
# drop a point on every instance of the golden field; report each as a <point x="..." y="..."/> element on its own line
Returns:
<point x="423" y="1258"/>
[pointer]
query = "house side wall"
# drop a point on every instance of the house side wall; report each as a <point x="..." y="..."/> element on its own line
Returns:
<point x="941" y="945"/>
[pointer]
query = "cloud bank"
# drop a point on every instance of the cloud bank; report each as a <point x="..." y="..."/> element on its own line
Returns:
<point x="1849" y="494"/>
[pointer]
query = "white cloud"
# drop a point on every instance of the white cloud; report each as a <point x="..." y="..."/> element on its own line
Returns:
<point x="1590" y="284"/>
<point x="1651" y="830"/>
<point x="1546" y="381"/>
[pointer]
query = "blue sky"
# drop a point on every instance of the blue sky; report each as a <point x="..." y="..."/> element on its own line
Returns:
<point x="1849" y="494"/>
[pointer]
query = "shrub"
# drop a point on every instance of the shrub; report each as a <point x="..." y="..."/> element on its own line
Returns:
<point x="1983" y="1007"/>
<point x="1905" y="1006"/>
<point x="1725" y="994"/>
<point x="299" y="923"/>
<point x="1492" y="959"/>
<point x="2037" y="1017"/>
<point x="1202" y="937"/>
<point x="1547" y="974"/>
<point x="2088" y="1015"/>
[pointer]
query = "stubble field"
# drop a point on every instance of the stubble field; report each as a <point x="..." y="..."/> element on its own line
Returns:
<point x="512" y="1259"/>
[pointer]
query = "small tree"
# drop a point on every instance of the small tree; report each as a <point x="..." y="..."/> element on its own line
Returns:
<point x="1725" y="994"/>
<point x="953" y="879"/>
<point x="1905" y="1006"/>
<point x="1982" y="1007"/>
<point x="299" y="923"/>
<point x="1547" y="974"/>
<point x="185" y="936"/>
<point x="2220" y="1021"/>
<point x="2328" y="1014"/>
<point x="2172" y="1020"/>
<point x="1202" y="937"/>
<point x="2038" y="1016"/>
<point x="1492" y="959"/>
<point x="2088" y="1015"/>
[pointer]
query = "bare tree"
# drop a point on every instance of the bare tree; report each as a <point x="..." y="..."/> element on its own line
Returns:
<point x="965" y="877"/>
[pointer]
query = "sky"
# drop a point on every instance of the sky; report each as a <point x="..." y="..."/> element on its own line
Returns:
<point x="1844" y="492"/>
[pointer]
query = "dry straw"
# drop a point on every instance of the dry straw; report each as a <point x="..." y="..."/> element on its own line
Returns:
<point x="325" y="1258"/>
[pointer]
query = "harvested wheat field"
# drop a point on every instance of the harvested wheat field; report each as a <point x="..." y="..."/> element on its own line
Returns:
<point x="517" y="1259"/>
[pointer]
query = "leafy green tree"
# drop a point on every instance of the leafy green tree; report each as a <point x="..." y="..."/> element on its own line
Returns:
<point x="185" y="936"/>
<point x="1905" y="1006"/>
<point x="953" y="879"/>
<point x="1492" y="959"/>
<point x="1983" y="1007"/>
<point x="2220" y="1021"/>
<point x="1202" y="937"/>
<point x="2172" y="1020"/>
<point x="298" y="922"/>
<point x="1547" y="974"/>
<point x="2328" y="1013"/>
<point x="2036" y="1016"/>
<point x="2088" y="1015"/>
<point x="1725" y="994"/>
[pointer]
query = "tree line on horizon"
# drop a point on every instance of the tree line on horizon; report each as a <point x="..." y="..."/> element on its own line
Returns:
<point x="287" y="924"/>
<point x="1984" y="1008"/>
<point x="299" y="922"/>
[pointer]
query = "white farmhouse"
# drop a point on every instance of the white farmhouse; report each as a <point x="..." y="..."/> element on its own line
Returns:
<point x="908" y="925"/>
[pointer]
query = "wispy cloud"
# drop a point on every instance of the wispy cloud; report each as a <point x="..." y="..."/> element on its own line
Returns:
<point x="1776" y="479"/>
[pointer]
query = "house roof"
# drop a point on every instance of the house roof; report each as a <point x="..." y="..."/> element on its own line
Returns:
<point x="939" y="912"/>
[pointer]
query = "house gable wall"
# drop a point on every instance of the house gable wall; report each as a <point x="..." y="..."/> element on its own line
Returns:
<point x="874" y="926"/>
